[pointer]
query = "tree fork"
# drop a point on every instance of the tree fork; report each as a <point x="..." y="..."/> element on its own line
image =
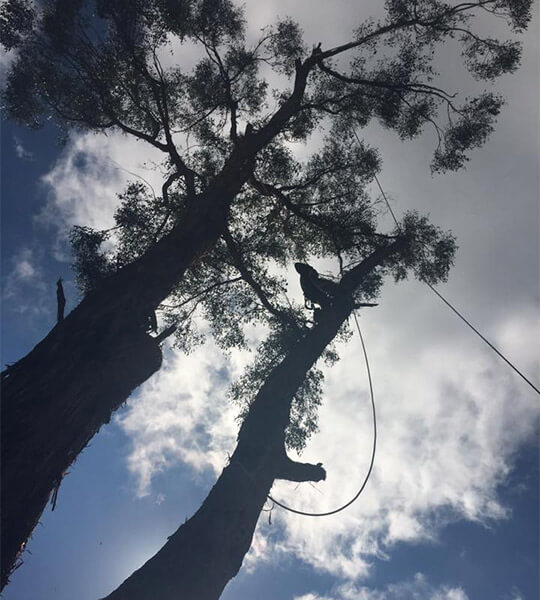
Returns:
<point x="207" y="551"/>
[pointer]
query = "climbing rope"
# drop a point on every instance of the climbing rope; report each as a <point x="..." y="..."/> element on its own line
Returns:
<point x="372" y="461"/>
<point x="456" y="311"/>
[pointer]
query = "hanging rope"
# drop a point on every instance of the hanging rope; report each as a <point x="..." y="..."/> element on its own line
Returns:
<point x="372" y="461"/>
<point x="451" y="306"/>
<point x="496" y="350"/>
<point x="456" y="311"/>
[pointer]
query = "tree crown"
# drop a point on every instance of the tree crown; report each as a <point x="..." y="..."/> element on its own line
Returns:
<point x="108" y="65"/>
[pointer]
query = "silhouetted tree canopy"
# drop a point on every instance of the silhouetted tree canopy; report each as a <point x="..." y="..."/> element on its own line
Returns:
<point x="242" y="281"/>
<point x="236" y="205"/>
<point x="117" y="64"/>
<point x="107" y="64"/>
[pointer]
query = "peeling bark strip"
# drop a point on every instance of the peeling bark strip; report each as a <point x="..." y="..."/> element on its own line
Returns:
<point x="207" y="551"/>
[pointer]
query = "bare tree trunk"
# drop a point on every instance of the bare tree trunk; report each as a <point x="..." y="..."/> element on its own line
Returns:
<point x="207" y="551"/>
<point x="59" y="395"/>
<point x="110" y="323"/>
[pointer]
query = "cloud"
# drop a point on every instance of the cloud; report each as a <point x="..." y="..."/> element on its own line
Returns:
<point x="25" y="281"/>
<point x="21" y="151"/>
<point x="24" y="269"/>
<point x="451" y="416"/>
<point x="417" y="588"/>
<point x="85" y="180"/>
<point x="6" y="61"/>
<point x="182" y="415"/>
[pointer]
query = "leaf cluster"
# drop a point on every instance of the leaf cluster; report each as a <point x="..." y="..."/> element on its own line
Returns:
<point x="323" y="211"/>
<point x="106" y="64"/>
<point x="116" y="64"/>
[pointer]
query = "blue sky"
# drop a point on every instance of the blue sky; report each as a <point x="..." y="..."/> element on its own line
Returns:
<point x="452" y="509"/>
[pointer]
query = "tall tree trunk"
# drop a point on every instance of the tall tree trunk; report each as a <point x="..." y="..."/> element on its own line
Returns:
<point x="109" y="324"/>
<point x="59" y="395"/>
<point x="207" y="551"/>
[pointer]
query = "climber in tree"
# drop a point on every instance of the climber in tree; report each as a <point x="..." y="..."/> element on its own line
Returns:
<point x="317" y="289"/>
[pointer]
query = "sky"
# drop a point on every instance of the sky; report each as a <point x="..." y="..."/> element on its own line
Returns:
<point x="451" y="510"/>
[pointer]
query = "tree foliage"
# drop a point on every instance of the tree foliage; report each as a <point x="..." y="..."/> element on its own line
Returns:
<point x="108" y="65"/>
<point x="237" y="205"/>
<point x="100" y="65"/>
<point x="240" y="281"/>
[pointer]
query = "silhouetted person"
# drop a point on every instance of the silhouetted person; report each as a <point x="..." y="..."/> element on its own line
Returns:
<point x="60" y="300"/>
<point x="317" y="289"/>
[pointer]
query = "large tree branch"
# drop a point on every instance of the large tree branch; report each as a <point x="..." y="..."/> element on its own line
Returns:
<point x="352" y="279"/>
<point x="404" y="24"/>
<point x="165" y="195"/>
<point x="293" y="104"/>
<point x="135" y="133"/>
<point x="296" y="471"/>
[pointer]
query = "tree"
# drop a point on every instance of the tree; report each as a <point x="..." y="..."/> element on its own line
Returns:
<point x="201" y="557"/>
<point x="100" y="67"/>
<point x="283" y="413"/>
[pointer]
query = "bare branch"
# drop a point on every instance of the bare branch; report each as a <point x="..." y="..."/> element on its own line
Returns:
<point x="415" y="87"/>
<point x="160" y="92"/>
<point x="202" y="292"/>
<point x="248" y="278"/>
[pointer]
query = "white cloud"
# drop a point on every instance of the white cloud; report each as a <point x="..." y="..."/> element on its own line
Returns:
<point x="417" y="588"/>
<point x="6" y="60"/>
<point x="182" y="415"/>
<point x="24" y="287"/>
<point x="91" y="171"/>
<point x="24" y="270"/>
<point x="21" y="151"/>
<point x="450" y="418"/>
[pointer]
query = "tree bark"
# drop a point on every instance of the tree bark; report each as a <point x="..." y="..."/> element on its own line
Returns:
<point x="207" y="551"/>
<point x="103" y="344"/>
<point x="60" y="394"/>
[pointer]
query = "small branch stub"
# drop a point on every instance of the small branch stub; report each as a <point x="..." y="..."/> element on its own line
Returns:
<point x="60" y="301"/>
<point x="296" y="471"/>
